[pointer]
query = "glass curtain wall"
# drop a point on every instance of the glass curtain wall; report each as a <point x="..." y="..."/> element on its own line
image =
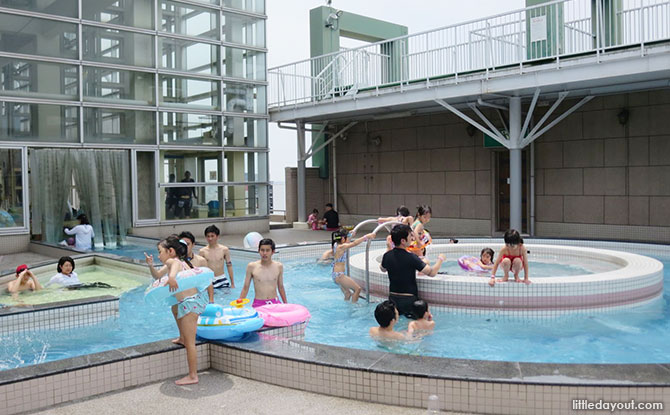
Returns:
<point x="177" y="87"/>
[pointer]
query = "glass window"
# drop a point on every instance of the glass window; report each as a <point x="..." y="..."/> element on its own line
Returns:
<point x="245" y="132"/>
<point x="255" y="6"/>
<point x="191" y="165"/>
<point x="188" y="56"/>
<point x="134" y="13"/>
<point x="11" y="188"/>
<point x="105" y="125"/>
<point x="33" y="36"/>
<point x="146" y="185"/>
<point x="242" y="166"/>
<point x="244" y="98"/>
<point x="19" y="77"/>
<point x="177" y="91"/>
<point x="242" y="63"/>
<point x="183" y="19"/>
<point x="118" y="86"/>
<point x="246" y="200"/>
<point x="190" y="129"/>
<point x="38" y="122"/>
<point x="67" y="8"/>
<point x="117" y="46"/>
<point x="193" y="202"/>
<point x="244" y="30"/>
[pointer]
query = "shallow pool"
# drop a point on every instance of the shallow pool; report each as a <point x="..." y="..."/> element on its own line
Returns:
<point x="639" y="335"/>
<point x="119" y="280"/>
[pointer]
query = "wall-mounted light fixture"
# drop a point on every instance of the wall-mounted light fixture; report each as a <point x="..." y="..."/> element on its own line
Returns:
<point x="332" y="22"/>
<point x="471" y="130"/>
<point x="377" y="141"/>
<point x="623" y="116"/>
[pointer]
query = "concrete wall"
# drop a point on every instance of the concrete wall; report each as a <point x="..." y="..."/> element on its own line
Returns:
<point x="11" y="244"/>
<point x="410" y="161"/>
<point x="317" y="192"/>
<point x="596" y="177"/>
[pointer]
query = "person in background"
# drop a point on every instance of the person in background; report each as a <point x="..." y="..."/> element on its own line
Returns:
<point x="171" y="198"/>
<point x="25" y="280"/>
<point x="513" y="257"/>
<point x="185" y="197"/>
<point x="313" y="220"/>
<point x="83" y="234"/>
<point x="217" y="256"/>
<point x="331" y="220"/>
<point x="66" y="275"/>
<point x="341" y="244"/>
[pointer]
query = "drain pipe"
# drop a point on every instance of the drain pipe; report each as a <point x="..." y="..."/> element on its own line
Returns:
<point x="334" y="150"/>
<point x="532" y="189"/>
<point x="387" y="225"/>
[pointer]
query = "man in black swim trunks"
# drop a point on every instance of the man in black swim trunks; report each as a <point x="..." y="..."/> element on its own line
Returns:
<point x="402" y="266"/>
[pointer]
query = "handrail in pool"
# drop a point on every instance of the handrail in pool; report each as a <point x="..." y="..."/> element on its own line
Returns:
<point x="388" y="226"/>
<point x="353" y="232"/>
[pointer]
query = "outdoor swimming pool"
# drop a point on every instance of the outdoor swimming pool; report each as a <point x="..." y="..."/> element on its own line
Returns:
<point x="637" y="335"/>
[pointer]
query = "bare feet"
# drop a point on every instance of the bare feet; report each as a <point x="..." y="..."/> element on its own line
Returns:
<point x="347" y="296"/>
<point x="492" y="281"/>
<point x="178" y="340"/>
<point x="186" y="380"/>
<point x="526" y="281"/>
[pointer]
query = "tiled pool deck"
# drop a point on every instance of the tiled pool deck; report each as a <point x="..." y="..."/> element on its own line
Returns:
<point x="355" y="375"/>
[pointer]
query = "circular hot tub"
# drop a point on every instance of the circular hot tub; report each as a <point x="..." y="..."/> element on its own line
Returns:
<point x="611" y="280"/>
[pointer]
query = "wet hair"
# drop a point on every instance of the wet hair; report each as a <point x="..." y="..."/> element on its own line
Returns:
<point x="385" y="313"/>
<point x="487" y="251"/>
<point x="266" y="241"/>
<point x="512" y="237"/>
<point x="338" y="236"/>
<point x="402" y="211"/>
<point x="400" y="232"/>
<point x="62" y="262"/>
<point x="212" y="229"/>
<point x="315" y="211"/>
<point x="83" y="219"/>
<point x="422" y="210"/>
<point x="419" y="308"/>
<point x="188" y="235"/>
<point x="180" y="249"/>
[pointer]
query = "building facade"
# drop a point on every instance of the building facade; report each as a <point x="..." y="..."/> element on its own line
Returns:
<point x="108" y="107"/>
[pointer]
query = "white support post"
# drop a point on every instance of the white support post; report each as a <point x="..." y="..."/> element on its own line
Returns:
<point x="335" y="175"/>
<point x="515" y="172"/>
<point x="302" y="213"/>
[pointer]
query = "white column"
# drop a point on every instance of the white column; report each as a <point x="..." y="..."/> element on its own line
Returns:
<point x="334" y="147"/>
<point x="515" y="172"/>
<point x="302" y="213"/>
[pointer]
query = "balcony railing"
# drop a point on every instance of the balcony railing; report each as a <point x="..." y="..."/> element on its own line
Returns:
<point x="516" y="39"/>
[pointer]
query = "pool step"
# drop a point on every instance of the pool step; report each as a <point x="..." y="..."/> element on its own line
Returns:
<point x="280" y="225"/>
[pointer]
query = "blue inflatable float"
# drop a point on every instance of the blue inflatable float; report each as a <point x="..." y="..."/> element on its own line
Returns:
<point x="227" y="323"/>
<point x="158" y="293"/>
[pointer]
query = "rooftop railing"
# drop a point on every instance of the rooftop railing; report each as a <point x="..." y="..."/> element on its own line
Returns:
<point x="517" y="39"/>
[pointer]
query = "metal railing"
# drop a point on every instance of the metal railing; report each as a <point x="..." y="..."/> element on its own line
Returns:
<point x="522" y="37"/>
<point x="388" y="226"/>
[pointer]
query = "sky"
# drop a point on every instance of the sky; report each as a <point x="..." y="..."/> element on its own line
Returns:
<point x="288" y="41"/>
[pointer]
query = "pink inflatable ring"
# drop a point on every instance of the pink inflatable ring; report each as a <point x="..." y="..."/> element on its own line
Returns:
<point x="282" y="315"/>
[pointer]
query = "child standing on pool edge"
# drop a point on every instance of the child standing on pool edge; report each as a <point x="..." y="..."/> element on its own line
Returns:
<point x="267" y="275"/>
<point x="512" y="257"/>
<point x="340" y="246"/>
<point x="191" y="303"/>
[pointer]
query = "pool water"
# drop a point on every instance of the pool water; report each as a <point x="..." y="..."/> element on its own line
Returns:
<point x="638" y="335"/>
<point x="536" y="270"/>
<point x="119" y="280"/>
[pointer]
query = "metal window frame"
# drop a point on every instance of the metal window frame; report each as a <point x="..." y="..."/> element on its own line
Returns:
<point x="25" y="229"/>
<point x="157" y="107"/>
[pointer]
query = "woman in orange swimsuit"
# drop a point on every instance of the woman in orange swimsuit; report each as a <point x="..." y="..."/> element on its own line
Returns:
<point x="512" y="257"/>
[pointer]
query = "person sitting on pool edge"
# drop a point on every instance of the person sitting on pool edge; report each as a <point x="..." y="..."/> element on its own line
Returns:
<point x="386" y="315"/>
<point x="267" y="275"/>
<point x="25" y="280"/>
<point x="402" y="266"/>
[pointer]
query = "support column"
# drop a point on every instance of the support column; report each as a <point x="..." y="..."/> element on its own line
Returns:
<point x="515" y="172"/>
<point x="302" y="213"/>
